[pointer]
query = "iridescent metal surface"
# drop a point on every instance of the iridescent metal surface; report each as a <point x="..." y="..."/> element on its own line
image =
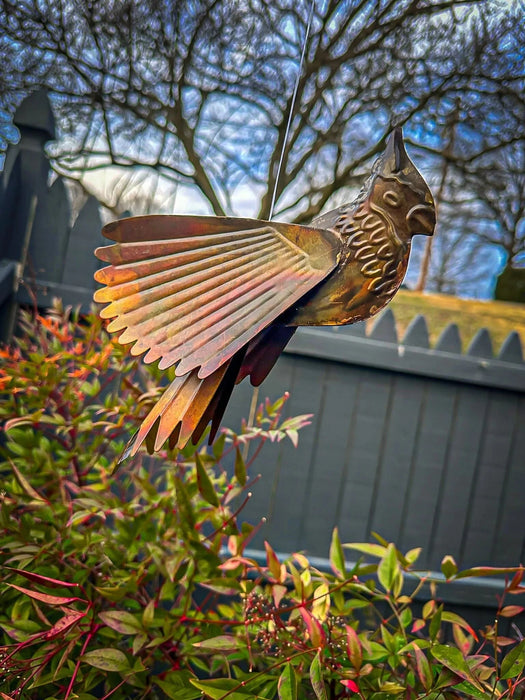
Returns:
<point x="219" y="297"/>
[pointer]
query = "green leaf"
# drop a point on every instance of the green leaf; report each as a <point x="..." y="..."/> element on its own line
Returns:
<point x="388" y="568"/>
<point x="272" y="561"/>
<point x="423" y="668"/>
<point x="107" y="660"/>
<point x="376" y="550"/>
<point x="206" y="488"/>
<point x="121" y="621"/>
<point x="413" y="555"/>
<point x="177" y="686"/>
<point x="449" y="566"/>
<point x="435" y="623"/>
<point x="216" y="688"/>
<point x="218" y="446"/>
<point x="149" y="613"/>
<point x="354" y="648"/>
<point x="223" y="642"/>
<point x="453" y="659"/>
<point x="316" y="677"/>
<point x="321" y="602"/>
<point x="375" y="652"/>
<point x="240" y="467"/>
<point x="287" y="684"/>
<point x="477" y="571"/>
<point x="337" y="557"/>
<point x="458" y="620"/>
<point x="24" y="483"/>
<point x="513" y="663"/>
<point x="186" y="514"/>
<point x="471" y="691"/>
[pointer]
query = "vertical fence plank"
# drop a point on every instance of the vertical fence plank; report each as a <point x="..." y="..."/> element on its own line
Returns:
<point x="487" y="490"/>
<point x="44" y="261"/>
<point x="508" y="541"/>
<point x="364" y="454"/>
<point x="329" y="458"/>
<point x="459" y="471"/>
<point x="269" y="461"/>
<point x="287" y="512"/>
<point x="395" y="468"/>
<point x="422" y="496"/>
<point x="80" y="262"/>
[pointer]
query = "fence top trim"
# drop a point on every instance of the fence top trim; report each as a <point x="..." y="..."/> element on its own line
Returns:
<point x="504" y="372"/>
<point x="417" y="335"/>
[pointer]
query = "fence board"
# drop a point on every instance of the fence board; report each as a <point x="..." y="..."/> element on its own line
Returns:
<point x="421" y="499"/>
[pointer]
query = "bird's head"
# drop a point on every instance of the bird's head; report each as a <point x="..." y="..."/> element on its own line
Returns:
<point x="398" y="189"/>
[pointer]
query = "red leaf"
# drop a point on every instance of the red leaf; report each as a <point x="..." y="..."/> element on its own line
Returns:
<point x="511" y="610"/>
<point x="273" y="562"/>
<point x="353" y="648"/>
<point x="422" y="667"/>
<point x="43" y="580"/>
<point x="351" y="685"/>
<point x="315" y="629"/>
<point x="516" y="580"/>
<point x="488" y="571"/>
<point x="45" y="597"/>
<point x="64" y="624"/>
<point x="418" y="624"/>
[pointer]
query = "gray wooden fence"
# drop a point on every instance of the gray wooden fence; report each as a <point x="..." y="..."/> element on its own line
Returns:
<point x="424" y="445"/>
<point x="41" y="254"/>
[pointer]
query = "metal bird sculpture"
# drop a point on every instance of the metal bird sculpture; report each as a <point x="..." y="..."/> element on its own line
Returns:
<point x="220" y="297"/>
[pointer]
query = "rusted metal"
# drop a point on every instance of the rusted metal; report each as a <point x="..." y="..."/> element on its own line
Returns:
<point x="219" y="297"/>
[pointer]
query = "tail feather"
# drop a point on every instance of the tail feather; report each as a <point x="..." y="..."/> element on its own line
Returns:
<point x="224" y="392"/>
<point x="263" y="352"/>
<point x="176" y="414"/>
<point x="189" y="403"/>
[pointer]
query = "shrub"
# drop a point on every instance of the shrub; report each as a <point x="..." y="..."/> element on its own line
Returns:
<point x="137" y="585"/>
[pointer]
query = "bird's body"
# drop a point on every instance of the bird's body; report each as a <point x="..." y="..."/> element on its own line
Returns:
<point x="220" y="297"/>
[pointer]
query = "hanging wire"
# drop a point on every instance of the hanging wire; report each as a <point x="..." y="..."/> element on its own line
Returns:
<point x="255" y="393"/>
<point x="292" y="106"/>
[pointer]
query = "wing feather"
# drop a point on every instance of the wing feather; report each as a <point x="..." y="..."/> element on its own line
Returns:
<point x="192" y="291"/>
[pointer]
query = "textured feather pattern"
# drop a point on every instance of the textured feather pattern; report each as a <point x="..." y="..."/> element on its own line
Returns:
<point x="177" y="413"/>
<point x="195" y="300"/>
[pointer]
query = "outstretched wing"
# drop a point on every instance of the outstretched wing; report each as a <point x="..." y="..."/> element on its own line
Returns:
<point x="193" y="290"/>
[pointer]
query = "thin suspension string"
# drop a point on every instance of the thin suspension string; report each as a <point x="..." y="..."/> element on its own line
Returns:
<point x="255" y="392"/>
<point x="290" y="115"/>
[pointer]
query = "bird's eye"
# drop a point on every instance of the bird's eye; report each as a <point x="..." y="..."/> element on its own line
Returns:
<point x="392" y="198"/>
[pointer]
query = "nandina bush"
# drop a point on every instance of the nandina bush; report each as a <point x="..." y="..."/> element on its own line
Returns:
<point x="137" y="584"/>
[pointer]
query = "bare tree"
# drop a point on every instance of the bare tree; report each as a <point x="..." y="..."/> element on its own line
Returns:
<point x="200" y="91"/>
<point x="156" y="97"/>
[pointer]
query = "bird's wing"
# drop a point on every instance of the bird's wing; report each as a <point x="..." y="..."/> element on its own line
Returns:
<point x="193" y="290"/>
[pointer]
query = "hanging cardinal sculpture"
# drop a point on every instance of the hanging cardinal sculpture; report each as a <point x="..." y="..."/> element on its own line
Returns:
<point x="220" y="297"/>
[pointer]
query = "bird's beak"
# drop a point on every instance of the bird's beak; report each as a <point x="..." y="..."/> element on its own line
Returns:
<point x="421" y="219"/>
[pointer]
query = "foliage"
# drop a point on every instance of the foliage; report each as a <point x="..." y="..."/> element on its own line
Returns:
<point x="138" y="585"/>
<point x="92" y="561"/>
